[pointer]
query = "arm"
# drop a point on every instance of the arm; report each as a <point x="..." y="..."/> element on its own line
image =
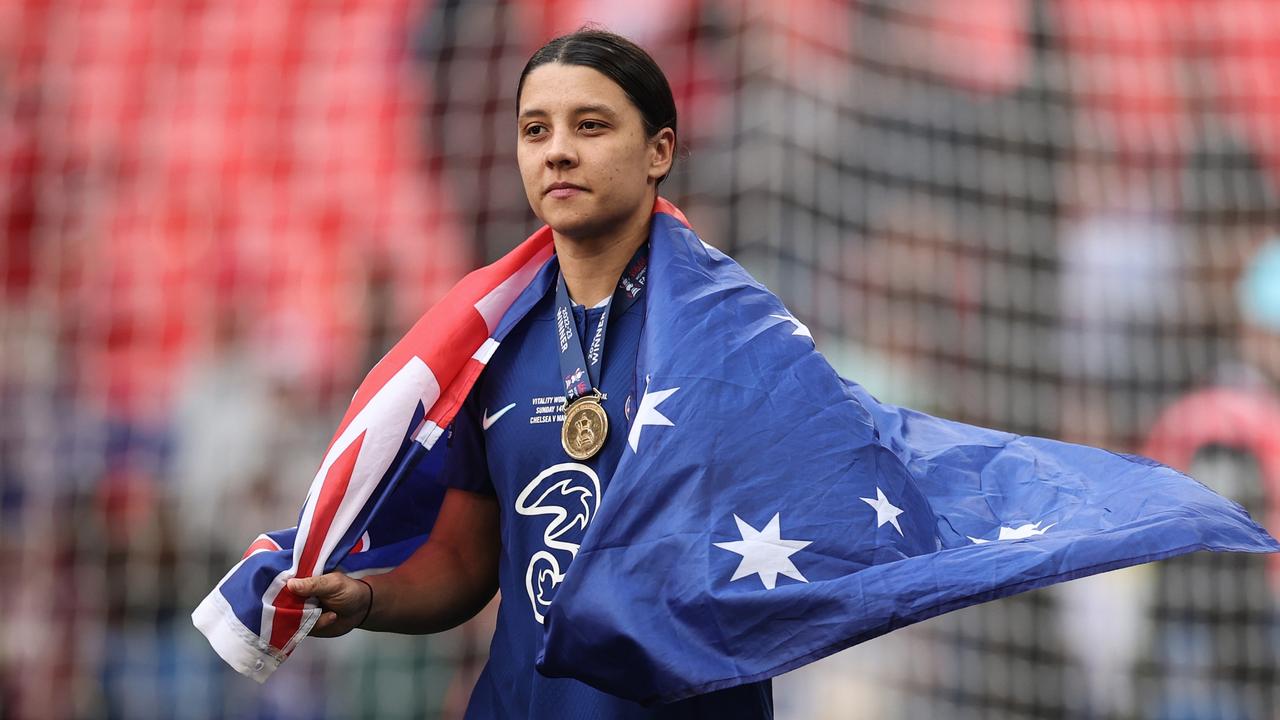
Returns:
<point x="443" y="584"/>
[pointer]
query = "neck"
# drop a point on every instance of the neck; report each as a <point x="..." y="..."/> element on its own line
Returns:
<point x="591" y="267"/>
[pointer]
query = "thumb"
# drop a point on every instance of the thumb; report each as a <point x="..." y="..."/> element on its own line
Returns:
<point x="319" y="586"/>
<point x="305" y="587"/>
<point x="315" y="586"/>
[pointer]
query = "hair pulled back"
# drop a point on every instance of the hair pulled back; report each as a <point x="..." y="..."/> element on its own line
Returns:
<point x="620" y="60"/>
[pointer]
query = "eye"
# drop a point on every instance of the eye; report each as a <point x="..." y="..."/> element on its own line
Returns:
<point x="534" y="131"/>
<point x="592" y="125"/>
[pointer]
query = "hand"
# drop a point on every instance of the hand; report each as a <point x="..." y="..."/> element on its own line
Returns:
<point x="345" y="602"/>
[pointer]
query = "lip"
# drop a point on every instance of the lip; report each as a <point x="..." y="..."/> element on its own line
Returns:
<point x="563" y="190"/>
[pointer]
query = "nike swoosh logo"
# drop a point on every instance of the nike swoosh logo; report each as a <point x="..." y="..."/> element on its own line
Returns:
<point x="486" y="419"/>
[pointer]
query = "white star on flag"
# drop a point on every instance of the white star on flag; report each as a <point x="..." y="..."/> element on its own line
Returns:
<point x="801" y="328"/>
<point x="647" y="414"/>
<point x="1018" y="533"/>
<point x="885" y="512"/>
<point x="764" y="553"/>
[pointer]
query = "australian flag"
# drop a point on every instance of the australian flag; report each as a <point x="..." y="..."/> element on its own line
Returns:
<point x="768" y="512"/>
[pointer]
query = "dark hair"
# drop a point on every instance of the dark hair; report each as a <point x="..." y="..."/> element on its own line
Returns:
<point x="623" y="62"/>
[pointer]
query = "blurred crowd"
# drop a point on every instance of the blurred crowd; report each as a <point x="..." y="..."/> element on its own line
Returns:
<point x="1057" y="217"/>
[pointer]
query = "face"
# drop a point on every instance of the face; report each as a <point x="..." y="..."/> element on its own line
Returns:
<point x="587" y="166"/>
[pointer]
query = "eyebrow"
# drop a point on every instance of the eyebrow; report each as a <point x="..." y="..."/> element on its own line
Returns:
<point x="598" y="109"/>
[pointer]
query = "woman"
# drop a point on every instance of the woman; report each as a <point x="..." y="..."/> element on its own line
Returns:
<point x="763" y="512"/>
<point x="596" y="131"/>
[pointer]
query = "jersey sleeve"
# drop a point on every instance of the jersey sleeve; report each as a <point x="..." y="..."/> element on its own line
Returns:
<point x="466" y="466"/>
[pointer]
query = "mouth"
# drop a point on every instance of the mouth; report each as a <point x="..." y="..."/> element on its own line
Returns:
<point x="563" y="190"/>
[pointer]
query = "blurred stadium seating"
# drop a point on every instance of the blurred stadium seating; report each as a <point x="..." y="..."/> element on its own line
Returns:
<point x="1057" y="217"/>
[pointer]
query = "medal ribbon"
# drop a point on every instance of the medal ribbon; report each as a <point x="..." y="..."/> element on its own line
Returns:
<point x="581" y="371"/>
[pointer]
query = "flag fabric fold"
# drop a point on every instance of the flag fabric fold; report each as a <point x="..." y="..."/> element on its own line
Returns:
<point x="766" y="512"/>
<point x="367" y="509"/>
<point x="769" y="513"/>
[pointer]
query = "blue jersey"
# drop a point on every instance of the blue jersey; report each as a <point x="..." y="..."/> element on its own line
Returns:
<point x="505" y="441"/>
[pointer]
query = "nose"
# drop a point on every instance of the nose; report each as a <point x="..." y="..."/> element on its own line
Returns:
<point x="561" y="152"/>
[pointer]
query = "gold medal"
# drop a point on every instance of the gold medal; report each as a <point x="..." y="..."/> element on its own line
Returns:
<point x="585" y="427"/>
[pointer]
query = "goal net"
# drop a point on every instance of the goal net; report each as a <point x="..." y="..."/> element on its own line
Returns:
<point x="1056" y="217"/>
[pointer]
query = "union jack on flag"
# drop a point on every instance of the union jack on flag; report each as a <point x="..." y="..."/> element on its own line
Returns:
<point x="365" y="512"/>
<point x="765" y="513"/>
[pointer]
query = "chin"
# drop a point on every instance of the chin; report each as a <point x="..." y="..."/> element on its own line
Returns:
<point x="578" y="231"/>
<point x="575" y="224"/>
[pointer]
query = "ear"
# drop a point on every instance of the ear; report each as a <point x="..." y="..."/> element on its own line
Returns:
<point x="662" y="151"/>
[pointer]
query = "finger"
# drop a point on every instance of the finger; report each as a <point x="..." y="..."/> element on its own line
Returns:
<point x="317" y="586"/>
<point x="326" y="586"/>
<point x="302" y="586"/>
<point x="324" y="626"/>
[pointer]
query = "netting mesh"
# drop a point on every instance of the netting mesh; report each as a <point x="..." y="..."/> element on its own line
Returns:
<point x="1054" y="217"/>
